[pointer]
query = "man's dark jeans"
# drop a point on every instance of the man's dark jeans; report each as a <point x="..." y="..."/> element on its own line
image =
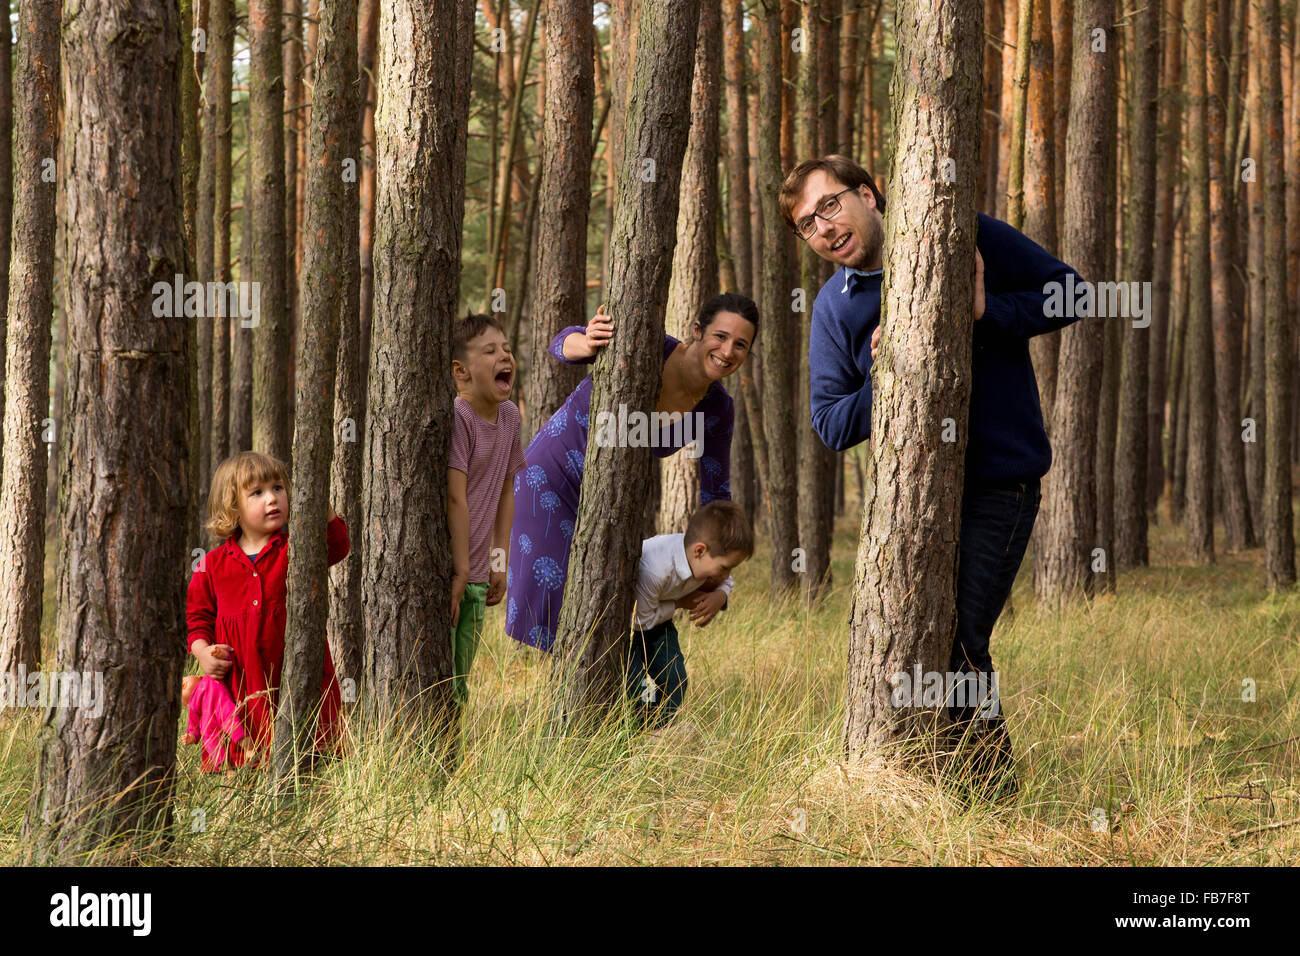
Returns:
<point x="996" y="522"/>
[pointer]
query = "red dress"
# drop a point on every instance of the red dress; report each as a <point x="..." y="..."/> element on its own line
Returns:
<point x="237" y="601"/>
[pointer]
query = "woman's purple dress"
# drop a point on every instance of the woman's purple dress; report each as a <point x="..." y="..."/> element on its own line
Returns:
<point x="546" y="497"/>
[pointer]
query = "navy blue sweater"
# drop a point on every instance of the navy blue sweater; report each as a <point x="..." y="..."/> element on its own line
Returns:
<point x="1007" y="441"/>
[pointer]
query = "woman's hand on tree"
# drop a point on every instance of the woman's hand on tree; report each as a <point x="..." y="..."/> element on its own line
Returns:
<point x="599" y="331"/>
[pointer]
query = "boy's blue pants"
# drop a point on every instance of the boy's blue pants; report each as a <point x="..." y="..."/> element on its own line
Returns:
<point x="656" y="673"/>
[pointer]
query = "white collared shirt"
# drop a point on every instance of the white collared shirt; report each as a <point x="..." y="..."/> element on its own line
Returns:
<point x="663" y="576"/>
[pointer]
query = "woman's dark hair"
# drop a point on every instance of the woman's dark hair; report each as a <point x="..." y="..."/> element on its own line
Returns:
<point x="742" y="305"/>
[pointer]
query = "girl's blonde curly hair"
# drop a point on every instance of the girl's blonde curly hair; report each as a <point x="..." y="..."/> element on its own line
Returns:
<point x="236" y="473"/>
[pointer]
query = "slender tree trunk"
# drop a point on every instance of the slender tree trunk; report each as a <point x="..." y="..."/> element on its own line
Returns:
<point x="560" y="290"/>
<point x="988" y="183"/>
<point x="106" y="773"/>
<point x="1010" y="93"/>
<point x="1019" y="108"/>
<point x="425" y="48"/>
<point x="775" y="347"/>
<point x="29" y="288"/>
<point x="848" y="75"/>
<point x="591" y="638"/>
<point x="271" y="395"/>
<point x="241" y="346"/>
<point x="1200" y="343"/>
<point x="1131" y="501"/>
<point x="368" y="34"/>
<point x="904" y="609"/>
<point x="738" y="210"/>
<point x="1069" y="508"/>
<point x="1226" y="321"/>
<point x="294" y="131"/>
<point x="1257" y="377"/>
<point x="1279" y="521"/>
<point x="1039" y="218"/>
<point x="329" y="293"/>
<point x="695" y="259"/>
<point x="204" y="238"/>
<point x="1062" y="12"/>
<point x="1169" y="168"/>
<point x="220" y="68"/>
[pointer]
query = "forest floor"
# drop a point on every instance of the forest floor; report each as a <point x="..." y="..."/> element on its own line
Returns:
<point x="1134" y="743"/>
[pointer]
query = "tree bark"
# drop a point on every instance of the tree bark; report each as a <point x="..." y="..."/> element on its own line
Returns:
<point x="695" y="258"/>
<point x="904" y="609"/>
<point x="560" y="287"/>
<point x="329" y="293"/>
<point x="30" y="295"/>
<point x="368" y="34"/>
<point x="1199" y="507"/>
<point x="1019" y="108"/>
<point x="1131" y="501"/>
<point x="241" y="346"/>
<point x="1068" y="519"/>
<point x="775" y="347"/>
<point x="220" y="68"/>
<point x="1010" y="93"/>
<point x="1040" y="204"/>
<point x="1225" y="319"/>
<point x="1255" y="280"/>
<point x="591" y="638"/>
<point x="107" y="775"/>
<point x="425" y="48"/>
<point x="271" y="371"/>
<point x="1279" y="526"/>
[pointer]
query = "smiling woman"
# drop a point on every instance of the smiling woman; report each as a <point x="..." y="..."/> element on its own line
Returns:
<point x="547" y="491"/>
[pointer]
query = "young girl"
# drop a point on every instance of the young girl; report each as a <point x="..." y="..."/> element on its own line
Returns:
<point x="236" y="598"/>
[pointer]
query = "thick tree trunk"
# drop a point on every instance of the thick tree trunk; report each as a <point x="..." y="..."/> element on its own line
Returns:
<point x="30" y="298"/>
<point x="6" y="191"/>
<point x="271" y="371"/>
<point x="775" y="347"/>
<point x="1226" y="320"/>
<point x="329" y="293"/>
<point x="222" y="32"/>
<point x="106" y="771"/>
<point x="904" y="607"/>
<point x="1199" y="506"/>
<point x="1279" y="522"/>
<point x="424" y="69"/>
<point x="1131" y="477"/>
<point x="695" y="259"/>
<point x="591" y="639"/>
<point x="1069" y="508"/>
<point x="560" y="288"/>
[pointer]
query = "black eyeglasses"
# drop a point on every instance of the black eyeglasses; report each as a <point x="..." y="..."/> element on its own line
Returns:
<point x="830" y="208"/>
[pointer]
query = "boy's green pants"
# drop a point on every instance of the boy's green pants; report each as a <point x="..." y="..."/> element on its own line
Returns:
<point x="464" y="638"/>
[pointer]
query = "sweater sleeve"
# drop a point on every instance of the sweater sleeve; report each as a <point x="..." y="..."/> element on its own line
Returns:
<point x="337" y="544"/>
<point x="840" y="392"/>
<point x="1017" y="271"/>
<point x="557" y="346"/>
<point x="200" y="608"/>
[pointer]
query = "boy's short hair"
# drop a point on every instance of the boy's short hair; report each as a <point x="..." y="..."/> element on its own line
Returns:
<point x="841" y="167"/>
<point x="723" y="528"/>
<point x="471" y="327"/>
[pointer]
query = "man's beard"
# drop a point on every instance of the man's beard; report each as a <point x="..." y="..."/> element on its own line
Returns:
<point x="872" y="243"/>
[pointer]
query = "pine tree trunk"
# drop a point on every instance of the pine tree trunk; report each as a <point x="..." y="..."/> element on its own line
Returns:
<point x="1068" y="519"/>
<point x="329" y="294"/>
<point x="1170" y="165"/>
<point x="738" y="210"/>
<point x="1062" y="12"/>
<point x="29" y="290"/>
<point x="776" y="344"/>
<point x="271" y="360"/>
<point x="241" y="346"/>
<point x="1226" y="320"/>
<point x="591" y="639"/>
<point x="1279" y="522"/>
<point x="294" y="131"/>
<point x="560" y="289"/>
<point x="6" y="195"/>
<point x="1199" y="506"/>
<point x="1254" y="450"/>
<point x="904" y="607"/>
<point x="424" y="70"/>
<point x="204" y="238"/>
<point x="1131" y="501"/>
<point x="222" y="31"/>
<point x="1019" y="112"/>
<point x="1006" y="143"/>
<point x="1040" y="180"/>
<point x="106" y="774"/>
<point x="368" y="35"/>
<point x="695" y="258"/>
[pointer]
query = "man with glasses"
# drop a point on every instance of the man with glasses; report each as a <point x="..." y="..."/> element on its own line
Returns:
<point x="833" y="205"/>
